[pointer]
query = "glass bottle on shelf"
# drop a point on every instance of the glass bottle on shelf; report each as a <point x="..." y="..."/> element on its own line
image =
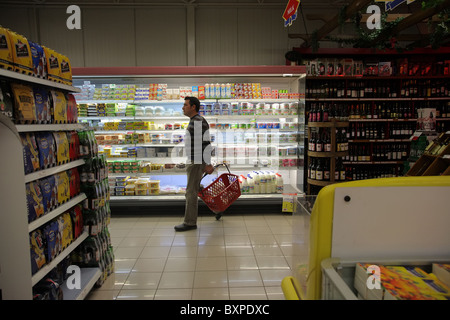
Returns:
<point x="326" y="170"/>
<point x="319" y="170"/>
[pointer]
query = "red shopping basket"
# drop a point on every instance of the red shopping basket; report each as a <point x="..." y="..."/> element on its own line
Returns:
<point x="221" y="193"/>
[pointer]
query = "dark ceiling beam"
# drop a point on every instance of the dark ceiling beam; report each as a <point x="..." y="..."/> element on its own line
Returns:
<point x="413" y="19"/>
<point x="332" y="24"/>
<point x="402" y="37"/>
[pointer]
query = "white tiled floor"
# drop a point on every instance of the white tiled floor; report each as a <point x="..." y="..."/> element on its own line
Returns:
<point x="240" y="257"/>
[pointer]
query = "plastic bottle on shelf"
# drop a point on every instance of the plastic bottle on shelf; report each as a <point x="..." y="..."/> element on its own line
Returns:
<point x="244" y="188"/>
<point x="280" y="184"/>
<point x="251" y="184"/>
<point x="273" y="183"/>
<point x="263" y="182"/>
<point x="257" y="181"/>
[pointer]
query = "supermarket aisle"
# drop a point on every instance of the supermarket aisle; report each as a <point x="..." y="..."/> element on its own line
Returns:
<point x="240" y="257"/>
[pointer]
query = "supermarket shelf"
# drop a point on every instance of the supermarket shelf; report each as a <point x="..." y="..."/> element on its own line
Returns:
<point x="50" y="171"/>
<point x="56" y="212"/>
<point x="209" y="117"/>
<point x="34" y="80"/>
<point x="48" y="127"/>
<point x="329" y="124"/>
<point x="48" y="267"/>
<point x="382" y="120"/>
<point x="181" y="197"/>
<point x="373" y="162"/>
<point x="89" y="277"/>
<point x="378" y="140"/>
<point x="327" y="154"/>
<point x="169" y="101"/>
<point x="379" y="99"/>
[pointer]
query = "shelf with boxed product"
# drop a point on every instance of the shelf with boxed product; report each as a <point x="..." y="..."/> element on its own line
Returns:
<point x="51" y="171"/>
<point x="39" y="275"/>
<point x="56" y="212"/>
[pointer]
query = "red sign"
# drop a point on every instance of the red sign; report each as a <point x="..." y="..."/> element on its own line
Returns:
<point x="290" y="13"/>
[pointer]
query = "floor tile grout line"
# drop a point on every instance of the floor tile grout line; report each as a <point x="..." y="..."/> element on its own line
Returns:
<point x="226" y="255"/>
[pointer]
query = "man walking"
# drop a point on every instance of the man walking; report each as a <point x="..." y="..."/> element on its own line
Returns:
<point x="198" y="152"/>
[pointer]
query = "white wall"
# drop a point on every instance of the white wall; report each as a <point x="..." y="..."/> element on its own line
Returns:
<point x="158" y="36"/>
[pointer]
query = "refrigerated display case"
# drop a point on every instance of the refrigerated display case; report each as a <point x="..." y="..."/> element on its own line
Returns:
<point x="256" y="126"/>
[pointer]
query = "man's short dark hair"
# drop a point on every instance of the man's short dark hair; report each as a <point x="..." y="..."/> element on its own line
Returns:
<point x="194" y="101"/>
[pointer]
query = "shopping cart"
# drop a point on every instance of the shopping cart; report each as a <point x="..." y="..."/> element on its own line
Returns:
<point x="221" y="193"/>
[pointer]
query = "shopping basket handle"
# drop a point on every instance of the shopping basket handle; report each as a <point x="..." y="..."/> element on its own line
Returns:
<point x="216" y="166"/>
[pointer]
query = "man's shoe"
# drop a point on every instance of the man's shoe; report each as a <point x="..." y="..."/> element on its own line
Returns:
<point x="184" y="227"/>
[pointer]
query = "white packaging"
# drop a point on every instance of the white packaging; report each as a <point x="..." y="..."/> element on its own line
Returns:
<point x="251" y="184"/>
<point x="280" y="184"/>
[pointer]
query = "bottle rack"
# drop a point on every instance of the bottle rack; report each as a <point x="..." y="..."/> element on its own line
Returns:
<point x="331" y="155"/>
<point x="382" y="114"/>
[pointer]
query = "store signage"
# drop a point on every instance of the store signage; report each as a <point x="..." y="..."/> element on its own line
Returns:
<point x="290" y="13"/>
<point x="74" y="20"/>
<point x="392" y="4"/>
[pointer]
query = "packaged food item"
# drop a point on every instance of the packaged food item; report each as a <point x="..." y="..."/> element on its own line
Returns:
<point x="21" y="53"/>
<point x="63" y="187"/>
<point x="65" y="229"/>
<point x="76" y="214"/>
<point x="35" y="201"/>
<point x="6" y="97"/>
<point x="72" y="110"/>
<point x="37" y="251"/>
<point x="46" y="146"/>
<point x="30" y="152"/>
<point x="42" y="105"/>
<point x="52" y="240"/>
<point x="74" y="145"/>
<point x="6" y="52"/>
<point x="38" y="59"/>
<point x="62" y="147"/>
<point x="65" y="70"/>
<point x="48" y="289"/>
<point x="74" y="182"/>
<point x="59" y="106"/>
<point x="49" y="191"/>
<point x="53" y="65"/>
<point x="24" y="107"/>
